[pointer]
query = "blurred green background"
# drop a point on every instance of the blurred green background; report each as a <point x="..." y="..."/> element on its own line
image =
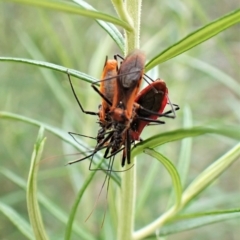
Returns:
<point x="79" y="43"/>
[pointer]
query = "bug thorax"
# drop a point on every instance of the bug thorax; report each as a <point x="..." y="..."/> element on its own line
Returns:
<point x="119" y="115"/>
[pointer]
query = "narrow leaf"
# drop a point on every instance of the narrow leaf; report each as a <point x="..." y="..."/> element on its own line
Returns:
<point x="80" y="145"/>
<point x="108" y="27"/>
<point x="196" y="223"/>
<point x="146" y="187"/>
<point x="199" y="184"/>
<point x="185" y="152"/>
<point x="22" y="225"/>
<point x="52" y="207"/>
<point x="219" y="75"/>
<point x="195" y="38"/>
<point x="52" y="66"/>
<point x="68" y="231"/>
<point x="172" y="171"/>
<point x="32" y="202"/>
<point x="203" y="214"/>
<point x="160" y="139"/>
<point x="186" y="147"/>
<point x="210" y="174"/>
<point x="74" y="9"/>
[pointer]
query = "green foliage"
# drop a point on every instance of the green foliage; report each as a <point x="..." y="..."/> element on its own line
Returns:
<point x="195" y="38"/>
<point x="32" y="202"/>
<point x="193" y="186"/>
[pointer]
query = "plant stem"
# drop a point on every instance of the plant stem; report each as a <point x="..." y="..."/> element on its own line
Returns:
<point x="130" y="12"/>
<point x="149" y="229"/>
<point x="195" y="188"/>
<point x="127" y="203"/>
<point x="120" y="8"/>
<point x="132" y="38"/>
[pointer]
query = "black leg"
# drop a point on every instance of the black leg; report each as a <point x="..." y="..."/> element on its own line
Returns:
<point x="75" y="95"/>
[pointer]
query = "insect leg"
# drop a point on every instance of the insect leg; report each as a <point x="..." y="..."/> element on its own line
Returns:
<point x="75" y="95"/>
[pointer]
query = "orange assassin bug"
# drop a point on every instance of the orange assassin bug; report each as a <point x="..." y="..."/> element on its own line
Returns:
<point x="149" y="105"/>
<point x="127" y="125"/>
<point x="125" y="100"/>
<point x="106" y="89"/>
<point x="126" y="122"/>
<point x="153" y="97"/>
<point x="128" y="82"/>
<point x="126" y="87"/>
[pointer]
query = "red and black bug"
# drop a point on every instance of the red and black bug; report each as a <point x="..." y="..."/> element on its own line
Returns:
<point x="127" y="86"/>
<point x="148" y="106"/>
<point x="129" y="113"/>
<point x="154" y="97"/>
<point x="107" y="91"/>
<point x="118" y="119"/>
<point x="124" y="112"/>
<point x="128" y="83"/>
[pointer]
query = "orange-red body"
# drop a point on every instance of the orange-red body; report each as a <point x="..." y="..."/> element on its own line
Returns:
<point x="127" y="86"/>
<point x="154" y="97"/>
<point x="107" y="87"/>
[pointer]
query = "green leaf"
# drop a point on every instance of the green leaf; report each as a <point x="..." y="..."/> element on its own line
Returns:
<point x="186" y="147"/>
<point x="212" y="71"/>
<point x="52" y="208"/>
<point x="196" y="223"/>
<point x="185" y="152"/>
<point x="145" y="190"/>
<point x="80" y="145"/>
<point x="23" y="226"/>
<point x="203" y="214"/>
<point x="108" y="27"/>
<point x="160" y="139"/>
<point x="68" y="231"/>
<point x="56" y="131"/>
<point x="172" y="171"/>
<point x="198" y="185"/>
<point x="32" y="200"/>
<point x="52" y="66"/>
<point x="195" y="38"/>
<point x="74" y="9"/>
<point x="210" y="174"/>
